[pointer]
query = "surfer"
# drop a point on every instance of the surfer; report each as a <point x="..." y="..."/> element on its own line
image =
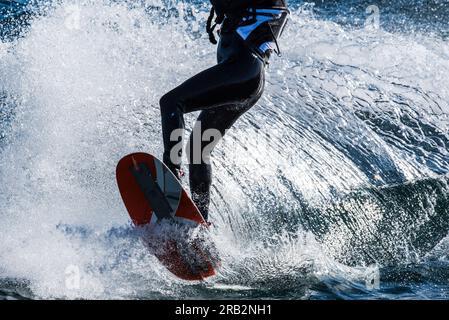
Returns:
<point x="249" y="30"/>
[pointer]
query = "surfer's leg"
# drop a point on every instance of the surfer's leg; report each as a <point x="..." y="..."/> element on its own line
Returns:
<point x="213" y="122"/>
<point x="224" y="92"/>
<point x="228" y="83"/>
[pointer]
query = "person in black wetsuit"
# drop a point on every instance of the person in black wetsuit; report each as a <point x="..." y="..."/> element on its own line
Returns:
<point x="248" y="35"/>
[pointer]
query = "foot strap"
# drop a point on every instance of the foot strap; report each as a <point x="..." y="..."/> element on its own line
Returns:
<point x="152" y="192"/>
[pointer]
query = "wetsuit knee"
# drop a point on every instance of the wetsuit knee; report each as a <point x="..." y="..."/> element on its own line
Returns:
<point x="168" y="103"/>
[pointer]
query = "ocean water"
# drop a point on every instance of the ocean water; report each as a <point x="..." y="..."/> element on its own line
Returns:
<point x="334" y="186"/>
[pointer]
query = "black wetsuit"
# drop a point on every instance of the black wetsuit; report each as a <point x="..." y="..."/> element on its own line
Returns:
<point x="223" y="93"/>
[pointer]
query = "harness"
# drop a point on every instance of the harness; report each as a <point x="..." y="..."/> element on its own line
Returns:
<point x="259" y="25"/>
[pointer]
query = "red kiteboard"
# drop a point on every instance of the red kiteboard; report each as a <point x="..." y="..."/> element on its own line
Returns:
<point x="153" y="197"/>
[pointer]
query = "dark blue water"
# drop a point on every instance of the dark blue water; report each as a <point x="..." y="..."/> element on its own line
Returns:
<point x="334" y="186"/>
